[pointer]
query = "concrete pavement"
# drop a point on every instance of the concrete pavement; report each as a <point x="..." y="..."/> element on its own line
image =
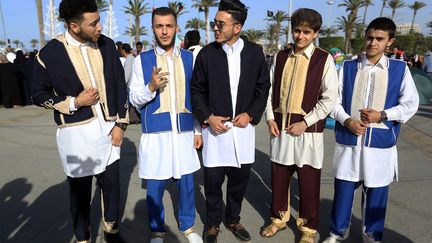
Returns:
<point x="34" y="194"/>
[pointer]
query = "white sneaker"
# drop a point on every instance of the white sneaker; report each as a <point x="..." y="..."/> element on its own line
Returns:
<point x="156" y="240"/>
<point x="194" y="238"/>
<point x="332" y="239"/>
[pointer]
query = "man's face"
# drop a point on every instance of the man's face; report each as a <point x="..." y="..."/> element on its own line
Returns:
<point x="377" y="42"/>
<point x="225" y="28"/>
<point x="164" y="29"/>
<point x="395" y="50"/>
<point x="139" y="48"/>
<point x="88" y="28"/>
<point x="303" y="36"/>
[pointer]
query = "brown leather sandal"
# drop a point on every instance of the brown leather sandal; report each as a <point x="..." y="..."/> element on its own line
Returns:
<point x="269" y="231"/>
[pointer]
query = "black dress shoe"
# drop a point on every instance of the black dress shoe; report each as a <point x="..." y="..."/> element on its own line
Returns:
<point x="239" y="231"/>
<point x="113" y="238"/>
<point x="211" y="234"/>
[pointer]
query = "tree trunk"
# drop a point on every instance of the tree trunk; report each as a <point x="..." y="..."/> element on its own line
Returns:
<point x="206" y="13"/>
<point x="277" y="35"/>
<point x="40" y="22"/>
<point x="364" y="16"/>
<point x="382" y="9"/>
<point x="137" y="28"/>
<point x="393" y="13"/>
<point x="412" y="23"/>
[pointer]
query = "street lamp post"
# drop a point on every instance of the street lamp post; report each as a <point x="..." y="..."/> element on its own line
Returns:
<point x="330" y="3"/>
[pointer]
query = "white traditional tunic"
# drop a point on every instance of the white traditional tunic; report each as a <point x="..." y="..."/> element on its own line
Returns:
<point x="375" y="166"/>
<point x="307" y="149"/>
<point x="86" y="149"/>
<point x="167" y="154"/>
<point x="236" y="146"/>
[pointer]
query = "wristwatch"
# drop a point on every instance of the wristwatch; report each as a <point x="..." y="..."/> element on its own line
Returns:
<point x="384" y="117"/>
<point x="122" y="126"/>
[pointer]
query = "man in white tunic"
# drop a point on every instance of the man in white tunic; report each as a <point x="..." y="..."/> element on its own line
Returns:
<point x="376" y="95"/>
<point x="79" y="76"/>
<point x="160" y="89"/>
<point x="304" y="91"/>
<point x="229" y="92"/>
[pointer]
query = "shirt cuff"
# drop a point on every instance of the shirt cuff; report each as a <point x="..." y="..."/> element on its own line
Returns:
<point x="310" y="119"/>
<point x="148" y="93"/>
<point x="269" y="115"/>
<point x="392" y="114"/>
<point x="72" y="107"/>
<point x="342" y="117"/>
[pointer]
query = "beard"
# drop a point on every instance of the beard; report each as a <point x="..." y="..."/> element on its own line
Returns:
<point x="85" y="37"/>
<point x="171" y="43"/>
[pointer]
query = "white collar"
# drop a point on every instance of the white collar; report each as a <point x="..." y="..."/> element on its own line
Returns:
<point x="238" y="45"/>
<point x="72" y="41"/>
<point x="382" y="63"/>
<point x="160" y="51"/>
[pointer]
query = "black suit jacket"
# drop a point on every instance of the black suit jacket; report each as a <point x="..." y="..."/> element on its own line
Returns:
<point x="210" y="85"/>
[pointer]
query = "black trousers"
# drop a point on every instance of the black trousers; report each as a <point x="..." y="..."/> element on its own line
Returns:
<point x="238" y="179"/>
<point x="80" y="190"/>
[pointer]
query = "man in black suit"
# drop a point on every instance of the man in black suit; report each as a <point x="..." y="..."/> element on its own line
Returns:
<point x="229" y="91"/>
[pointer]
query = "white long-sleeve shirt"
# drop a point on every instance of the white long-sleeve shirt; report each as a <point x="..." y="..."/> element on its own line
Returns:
<point x="307" y="149"/>
<point x="375" y="166"/>
<point x="237" y="145"/>
<point x="86" y="149"/>
<point x="167" y="154"/>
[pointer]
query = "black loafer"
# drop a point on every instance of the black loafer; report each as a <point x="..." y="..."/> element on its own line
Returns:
<point x="211" y="234"/>
<point x="113" y="238"/>
<point x="239" y="231"/>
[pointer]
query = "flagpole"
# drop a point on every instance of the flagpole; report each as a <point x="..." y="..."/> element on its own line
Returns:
<point x="2" y="20"/>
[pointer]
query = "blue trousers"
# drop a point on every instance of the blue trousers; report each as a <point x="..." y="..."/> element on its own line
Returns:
<point x="186" y="205"/>
<point x="374" y="204"/>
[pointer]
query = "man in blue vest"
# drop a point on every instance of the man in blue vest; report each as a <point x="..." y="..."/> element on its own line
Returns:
<point x="376" y="95"/>
<point x="160" y="89"/>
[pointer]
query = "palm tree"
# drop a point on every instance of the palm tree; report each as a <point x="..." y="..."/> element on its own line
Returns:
<point x="328" y="31"/>
<point x="429" y="25"/>
<point x="279" y="17"/>
<point x="136" y="8"/>
<point x="367" y="4"/>
<point x="40" y="22"/>
<point x="102" y="5"/>
<point x="383" y="6"/>
<point x="347" y="24"/>
<point x="178" y="7"/>
<point x="415" y="7"/>
<point x="286" y="32"/>
<point x="270" y="35"/>
<point x="359" y="30"/>
<point x="131" y="31"/>
<point x="205" y="5"/>
<point x="253" y="35"/>
<point x="145" y="43"/>
<point x="34" y="43"/>
<point x="196" y="24"/>
<point x="394" y="5"/>
<point x="16" y="43"/>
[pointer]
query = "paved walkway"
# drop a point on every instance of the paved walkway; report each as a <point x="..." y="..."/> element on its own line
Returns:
<point x="34" y="194"/>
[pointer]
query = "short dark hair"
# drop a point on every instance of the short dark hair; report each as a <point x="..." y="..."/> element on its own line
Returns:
<point x="193" y="36"/>
<point x="236" y="8"/>
<point x="308" y="17"/>
<point x="164" y="11"/>
<point x="139" y="43"/>
<point x="126" y="47"/>
<point x="384" y="24"/>
<point x="73" y="10"/>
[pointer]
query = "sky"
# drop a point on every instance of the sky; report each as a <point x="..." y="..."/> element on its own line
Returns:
<point x="20" y="17"/>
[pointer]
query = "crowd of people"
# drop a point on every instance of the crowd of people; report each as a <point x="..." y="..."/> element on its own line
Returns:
<point x="16" y="71"/>
<point x="213" y="97"/>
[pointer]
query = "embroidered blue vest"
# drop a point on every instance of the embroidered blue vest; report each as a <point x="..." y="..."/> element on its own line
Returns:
<point x="375" y="137"/>
<point x="151" y="122"/>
